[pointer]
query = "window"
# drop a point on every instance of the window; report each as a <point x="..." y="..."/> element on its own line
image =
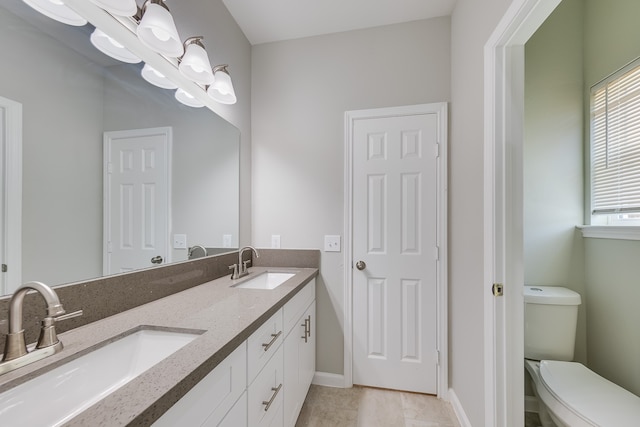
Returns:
<point x="615" y="148"/>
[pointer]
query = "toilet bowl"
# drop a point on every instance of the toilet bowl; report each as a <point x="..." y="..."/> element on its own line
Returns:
<point x="568" y="393"/>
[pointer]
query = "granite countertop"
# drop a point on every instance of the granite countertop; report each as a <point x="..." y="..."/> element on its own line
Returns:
<point x="227" y="315"/>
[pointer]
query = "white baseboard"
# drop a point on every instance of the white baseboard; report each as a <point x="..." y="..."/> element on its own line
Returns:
<point x="328" y="380"/>
<point x="458" y="409"/>
<point x="530" y="404"/>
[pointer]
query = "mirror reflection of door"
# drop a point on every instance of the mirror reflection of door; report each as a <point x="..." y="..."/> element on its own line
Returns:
<point x="137" y="198"/>
<point x="10" y="195"/>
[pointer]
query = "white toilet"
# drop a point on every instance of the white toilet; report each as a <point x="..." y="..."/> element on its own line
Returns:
<point x="568" y="393"/>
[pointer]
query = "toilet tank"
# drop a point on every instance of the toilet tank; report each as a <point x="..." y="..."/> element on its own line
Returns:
<point x="550" y="319"/>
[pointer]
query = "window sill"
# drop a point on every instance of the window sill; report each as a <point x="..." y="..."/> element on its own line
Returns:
<point x="618" y="232"/>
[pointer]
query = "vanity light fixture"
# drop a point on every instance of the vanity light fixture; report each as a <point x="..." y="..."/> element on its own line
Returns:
<point x="221" y="90"/>
<point x="195" y="64"/>
<point x="156" y="78"/>
<point x="157" y="30"/>
<point x="112" y="48"/>
<point x="118" y="7"/>
<point x="56" y="9"/>
<point x="187" y="99"/>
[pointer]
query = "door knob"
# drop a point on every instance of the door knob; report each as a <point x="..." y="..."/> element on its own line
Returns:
<point x="156" y="260"/>
<point x="361" y="265"/>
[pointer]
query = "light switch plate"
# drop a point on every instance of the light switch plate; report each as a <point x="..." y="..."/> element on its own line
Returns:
<point x="226" y="240"/>
<point x="332" y="243"/>
<point x="179" y="241"/>
<point x="275" y="241"/>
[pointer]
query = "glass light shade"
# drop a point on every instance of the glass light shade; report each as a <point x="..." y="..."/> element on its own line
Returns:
<point x="112" y="48"/>
<point x="158" y="31"/>
<point x="221" y="90"/>
<point x="118" y="7"/>
<point x="56" y="9"/>
<point x="195" y="64"/>
<point x="187" y="99"/>
<point x="157" y="79"/>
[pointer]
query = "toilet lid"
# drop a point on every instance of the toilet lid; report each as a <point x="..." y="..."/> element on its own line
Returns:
<point x="590" y="396"/>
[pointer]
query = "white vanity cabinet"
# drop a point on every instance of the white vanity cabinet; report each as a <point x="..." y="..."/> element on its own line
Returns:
<point x="264" y="382"/>
<point x="209" y="401"/>
<point x="299" y="351"/>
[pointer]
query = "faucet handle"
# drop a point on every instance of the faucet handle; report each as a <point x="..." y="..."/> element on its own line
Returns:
<point x="69" y="315"/>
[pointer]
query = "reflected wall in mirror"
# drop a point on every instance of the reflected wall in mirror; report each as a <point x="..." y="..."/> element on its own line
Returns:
<point x="71" y="94"/>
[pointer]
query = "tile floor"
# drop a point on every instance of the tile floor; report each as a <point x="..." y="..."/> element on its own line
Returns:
<point x="370" y="407"/>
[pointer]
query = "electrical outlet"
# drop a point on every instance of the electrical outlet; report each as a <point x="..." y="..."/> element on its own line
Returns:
<point x="226" y="240"/>
<point x="275" y="241"/>
<point x="179" y="241"/>
<point x="332" y="243"/>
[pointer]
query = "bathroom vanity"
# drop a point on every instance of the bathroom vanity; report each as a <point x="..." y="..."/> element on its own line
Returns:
<point x="251" y="362"/>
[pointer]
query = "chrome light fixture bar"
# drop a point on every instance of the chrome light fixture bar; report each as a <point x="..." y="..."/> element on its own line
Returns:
<point x="112" y="48"/>
<point x="195" y="64"/>
<point x="221" y="90"/>
<point x="56" y="9"/>
<point x="157" y="30"/>
<point x="118" y="7"/>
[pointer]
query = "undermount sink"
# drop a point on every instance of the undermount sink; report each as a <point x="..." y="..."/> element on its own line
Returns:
<point x="266" y="280"/>
<point x="58" y="395"/>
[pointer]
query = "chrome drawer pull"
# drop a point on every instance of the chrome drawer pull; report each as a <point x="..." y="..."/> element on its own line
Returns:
<point x="270" y="401"/>
<point x="273" y="340"/>
<point x="308" y="325"/>
<point x="305" y="336"/>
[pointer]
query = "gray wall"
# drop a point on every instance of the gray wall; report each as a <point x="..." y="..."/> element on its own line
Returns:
<point x="301" y="89"/>
<point x="553" y="156"/>
<point x="612" y="268"/>
<point x="61" y="96"/>
<point x="472" y="23"/>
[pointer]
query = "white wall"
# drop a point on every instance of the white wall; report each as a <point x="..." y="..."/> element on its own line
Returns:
<point x="553" y="156"/>
<point x="472" y="22"/>
<point x="301" y="89"/>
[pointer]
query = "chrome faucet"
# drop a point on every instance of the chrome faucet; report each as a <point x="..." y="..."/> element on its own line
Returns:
<point x="241" y="268"/>
<point x="16" y="353"/>
<point x="193" y="248"/>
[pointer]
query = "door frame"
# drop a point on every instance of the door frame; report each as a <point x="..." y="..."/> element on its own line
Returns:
<point x="503" y="209"/>
<point x="12" y="194"/>
<point x="441" y="110"/>
<point x="108" y="136"/>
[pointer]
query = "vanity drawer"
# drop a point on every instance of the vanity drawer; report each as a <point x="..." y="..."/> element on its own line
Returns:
<point x="263" y="343"/>
<point x="297" y="305"/>
<point x="213" y="396"/>
<point x="266" y="394"/>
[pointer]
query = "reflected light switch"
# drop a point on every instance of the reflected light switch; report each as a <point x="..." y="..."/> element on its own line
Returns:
<point x="179" y="241"/>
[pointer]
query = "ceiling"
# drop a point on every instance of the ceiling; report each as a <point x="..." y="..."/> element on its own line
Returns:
<point x="266" y="21"/>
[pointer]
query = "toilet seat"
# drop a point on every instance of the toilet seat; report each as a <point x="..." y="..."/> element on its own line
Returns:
<point x="588" y="396"/>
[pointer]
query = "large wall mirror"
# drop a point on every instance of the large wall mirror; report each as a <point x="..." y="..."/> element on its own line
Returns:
<point x="71" y="94"/>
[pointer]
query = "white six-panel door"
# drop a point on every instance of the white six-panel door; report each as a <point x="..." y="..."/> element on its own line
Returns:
<point x="395" y="252"/>
<point x="137" y="180"/>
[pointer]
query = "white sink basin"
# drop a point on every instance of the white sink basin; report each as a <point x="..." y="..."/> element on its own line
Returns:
<point x="267" y="280"/>
<point x="58" y="395"/>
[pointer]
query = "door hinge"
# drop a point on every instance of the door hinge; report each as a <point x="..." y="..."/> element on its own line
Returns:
<point x="438" y="357"/>
<point x="437" y="148"/>
<point x="109" y="167"/>
<point x="497" y="289"/>
<point x="109" y="247"/>
<point x="4" y="268"/>
<point x="436" y="253"/>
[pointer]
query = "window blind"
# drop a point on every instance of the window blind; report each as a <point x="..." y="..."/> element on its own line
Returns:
<point x="615" y="143"/>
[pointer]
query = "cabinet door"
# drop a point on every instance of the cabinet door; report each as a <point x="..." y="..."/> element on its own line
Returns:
<point x="213" y="396"/>
<point x="308" y="352"/>
<point x="299" y="362"/>
<point x="266" y="394"/>
<point x="237" y="416"/>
